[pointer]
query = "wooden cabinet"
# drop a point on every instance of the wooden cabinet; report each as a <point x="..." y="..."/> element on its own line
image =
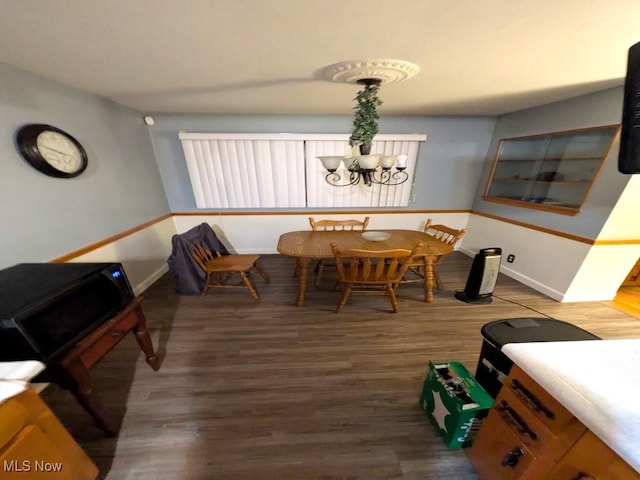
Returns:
<point x="525" y="434"/>
<point x="529" y="435"/>
<point x="34" y="444"/>
<point x="552" y="172"/>
<point x="591" y="459"/>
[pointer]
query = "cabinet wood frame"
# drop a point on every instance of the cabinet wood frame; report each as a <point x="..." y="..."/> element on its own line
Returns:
<point x="561" y="209"/>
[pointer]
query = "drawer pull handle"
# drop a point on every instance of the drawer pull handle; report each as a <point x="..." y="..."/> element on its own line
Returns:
<point x="532" y="399"/>
<point x="116" y="333"/>
<point x="512" y="457"/>
<point x="517" y="420"/>
<point x="583" y="476"/>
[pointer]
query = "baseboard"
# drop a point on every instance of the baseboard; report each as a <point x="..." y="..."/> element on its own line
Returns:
<point x="589" y="297"/>
<point x="258" y="251"/>
<point x="530" y="282"/>
<point x="150" y="280"/>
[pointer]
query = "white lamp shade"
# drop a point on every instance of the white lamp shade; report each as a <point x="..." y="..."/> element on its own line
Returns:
<point x="387" y="161"/>
<point x="331" y="162"/>
<point x="349" y="162"/>
<point x="368" y="162"/>
<point x="402" y="161"/>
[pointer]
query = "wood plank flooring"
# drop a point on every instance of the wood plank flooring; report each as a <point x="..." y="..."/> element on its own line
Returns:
<point x="266" y="390"/>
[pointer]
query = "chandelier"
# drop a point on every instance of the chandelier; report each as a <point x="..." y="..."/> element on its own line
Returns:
<point x="367" y="168"/>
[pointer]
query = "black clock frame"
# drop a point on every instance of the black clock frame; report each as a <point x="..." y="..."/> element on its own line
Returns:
<point x="27" y="141"/>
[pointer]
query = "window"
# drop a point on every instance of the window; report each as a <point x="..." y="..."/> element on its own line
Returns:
<point x="281" y="171"/>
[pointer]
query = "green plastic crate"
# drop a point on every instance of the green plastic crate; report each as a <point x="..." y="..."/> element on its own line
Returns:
<point x="455" y="401"/>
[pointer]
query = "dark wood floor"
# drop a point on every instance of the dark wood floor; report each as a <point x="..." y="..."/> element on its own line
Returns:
<point x="266" y="390"/>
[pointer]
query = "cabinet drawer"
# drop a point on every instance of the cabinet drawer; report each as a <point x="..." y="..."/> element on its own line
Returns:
<point x="527" y="427"/>
<point x="542" y="405"/>
<point x="498" y="454"/>
<point x="532" y="432"/>
<point x="104" y="339"/>
<point x="591" y="458"/>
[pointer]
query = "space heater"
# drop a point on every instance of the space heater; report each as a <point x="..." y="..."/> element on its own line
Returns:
<point x="482" y="277"/>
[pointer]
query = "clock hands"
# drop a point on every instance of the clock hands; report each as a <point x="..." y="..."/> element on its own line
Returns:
<point x="54" y="150"/>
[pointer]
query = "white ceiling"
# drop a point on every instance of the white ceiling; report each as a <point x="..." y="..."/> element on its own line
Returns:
<point x="477" y="57"/>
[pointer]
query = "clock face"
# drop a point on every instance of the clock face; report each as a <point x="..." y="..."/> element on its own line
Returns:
<point x="59" y="152"/>
<point x="51" y="150"/>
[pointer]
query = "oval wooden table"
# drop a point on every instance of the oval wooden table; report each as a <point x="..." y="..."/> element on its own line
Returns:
<point x="308" y="244"/>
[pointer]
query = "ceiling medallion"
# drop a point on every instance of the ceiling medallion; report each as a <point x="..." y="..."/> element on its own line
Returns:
<point x="384" y="70"/>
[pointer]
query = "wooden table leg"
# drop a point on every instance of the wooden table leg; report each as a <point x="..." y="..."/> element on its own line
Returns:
<point x="72" y="371"/>
<point x="428" y="279"/>
<point x="77" y="380"/>
<point x="144" y="341"/>
<point x="303" y="276"/>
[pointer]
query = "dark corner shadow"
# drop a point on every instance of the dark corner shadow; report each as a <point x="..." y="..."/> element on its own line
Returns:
<point x="112" y="379"/>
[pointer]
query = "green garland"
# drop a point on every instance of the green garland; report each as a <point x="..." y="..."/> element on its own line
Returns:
<point x="365" y="122"/>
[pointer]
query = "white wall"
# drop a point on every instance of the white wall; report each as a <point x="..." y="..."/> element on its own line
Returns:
<point x="615" y="252"/>
<point x="143" y="254"/>
<point x="566" y="270"/>
<point x="255" y="233"/>
<point x="543" y="261"/>
<point x="603" y="270"/>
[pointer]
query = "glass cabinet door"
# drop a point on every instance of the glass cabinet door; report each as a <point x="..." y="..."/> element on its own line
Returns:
<point x="551" y="172"/>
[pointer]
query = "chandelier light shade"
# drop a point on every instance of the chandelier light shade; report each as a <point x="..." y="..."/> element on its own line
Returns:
<point x="368" y="168"/>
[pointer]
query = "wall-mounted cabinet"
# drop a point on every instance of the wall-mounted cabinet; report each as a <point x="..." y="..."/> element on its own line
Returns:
<point x="552" y="172"/>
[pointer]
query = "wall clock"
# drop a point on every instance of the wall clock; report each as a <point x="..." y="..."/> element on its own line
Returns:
<point x="52" y="151"/>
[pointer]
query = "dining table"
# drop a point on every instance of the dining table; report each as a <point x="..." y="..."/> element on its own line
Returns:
<point x="307" y="245"/>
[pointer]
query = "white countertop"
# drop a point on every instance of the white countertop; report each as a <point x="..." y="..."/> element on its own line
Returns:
<point x="596" y="380"/>
<point x="15" y="377"/>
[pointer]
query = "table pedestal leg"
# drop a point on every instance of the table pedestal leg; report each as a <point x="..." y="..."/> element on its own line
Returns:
<point x="303" y="275"/>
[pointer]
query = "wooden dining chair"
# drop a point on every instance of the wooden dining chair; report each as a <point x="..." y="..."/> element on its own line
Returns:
<point x="444" y="234"/>
<point x="371" y="272"/>
<point x="334" y="225"/>
<point x="218" y="269"/>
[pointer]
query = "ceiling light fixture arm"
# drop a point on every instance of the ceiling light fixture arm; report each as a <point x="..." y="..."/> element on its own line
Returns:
<point x="380" y="175"/>
<point x="367" y="168"/>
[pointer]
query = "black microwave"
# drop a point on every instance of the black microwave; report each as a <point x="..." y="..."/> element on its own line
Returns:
<point x="46" y="308"/>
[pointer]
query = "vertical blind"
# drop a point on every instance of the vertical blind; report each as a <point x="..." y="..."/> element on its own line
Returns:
<point x="282" y="171"/>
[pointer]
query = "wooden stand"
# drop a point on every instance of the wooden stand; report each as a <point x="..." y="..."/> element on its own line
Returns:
<point x="72" y="371"/>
